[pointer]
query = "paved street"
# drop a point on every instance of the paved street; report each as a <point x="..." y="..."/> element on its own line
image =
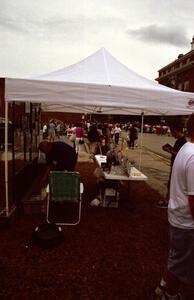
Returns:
<point x="155" y="142"/>
<point x="153" y="161"/>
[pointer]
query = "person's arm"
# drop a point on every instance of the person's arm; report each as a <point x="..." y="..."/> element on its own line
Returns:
<point x="173" y="152"/>
<point x="191" y="204"/>
<point x="44" y="180"/>
<point x="190" y="184"/>
<point x="167" y="148"/>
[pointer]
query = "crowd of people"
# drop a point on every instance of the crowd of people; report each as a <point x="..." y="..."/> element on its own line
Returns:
<point x="98" y="135"/>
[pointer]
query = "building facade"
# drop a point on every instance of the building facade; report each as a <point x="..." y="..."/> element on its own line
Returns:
<point x="179" y="74"/>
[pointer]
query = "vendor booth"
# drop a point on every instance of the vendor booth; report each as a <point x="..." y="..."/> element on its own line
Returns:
<point x="98" y="84"/>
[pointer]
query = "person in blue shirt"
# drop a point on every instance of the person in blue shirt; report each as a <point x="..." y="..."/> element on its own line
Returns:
<point x="59" y="155"/>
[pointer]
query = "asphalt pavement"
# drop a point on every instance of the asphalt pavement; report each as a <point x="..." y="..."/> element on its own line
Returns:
<point x="154" y="143"/>
<point x="152" y="160"/>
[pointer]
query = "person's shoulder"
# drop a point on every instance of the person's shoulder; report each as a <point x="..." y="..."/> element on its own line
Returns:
<point x="59" y="144"/>
<point x="62" y="145"/>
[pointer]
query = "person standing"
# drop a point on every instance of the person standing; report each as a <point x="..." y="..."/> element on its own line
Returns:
<point x="180" y="266"/>
<point x="117" y="131"/>
<point x="79" y="137"/>
<point x="58" y="130"/>
<point x="133" y="136"/>
<point x="94" y="139"/>
<point x="44" y="131"/>
<point x="178" y="134"/>
<point x="52" y="131"/>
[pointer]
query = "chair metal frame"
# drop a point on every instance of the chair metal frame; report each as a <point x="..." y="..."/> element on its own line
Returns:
<point x="64" y="187"/>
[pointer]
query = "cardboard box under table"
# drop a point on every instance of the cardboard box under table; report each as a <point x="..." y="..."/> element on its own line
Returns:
<point x="110" y="197"/>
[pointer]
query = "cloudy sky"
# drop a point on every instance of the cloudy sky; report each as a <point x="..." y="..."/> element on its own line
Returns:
<point x="40" y="36"/>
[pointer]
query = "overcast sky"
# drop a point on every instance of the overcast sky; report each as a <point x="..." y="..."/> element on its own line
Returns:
<point x="40" y="36"/>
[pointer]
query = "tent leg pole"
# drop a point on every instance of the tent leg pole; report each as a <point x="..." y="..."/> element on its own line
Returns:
<point x="6" y="160"/>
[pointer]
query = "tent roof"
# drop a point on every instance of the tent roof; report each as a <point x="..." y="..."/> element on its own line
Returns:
<point x="100" y="68"/>
<point x="99" y="84"/>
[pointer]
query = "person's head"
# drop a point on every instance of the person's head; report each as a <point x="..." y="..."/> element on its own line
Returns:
<point x="176" y="130"/>
<point x="45" y="147"/>
<point x="190" y="125"/>
<point x="103" y="141"/>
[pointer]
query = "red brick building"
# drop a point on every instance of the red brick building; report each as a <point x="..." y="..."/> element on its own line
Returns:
<point x="179" y="74"/>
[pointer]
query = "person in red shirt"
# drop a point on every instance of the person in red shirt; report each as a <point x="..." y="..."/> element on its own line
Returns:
<point x="79" y="137"/>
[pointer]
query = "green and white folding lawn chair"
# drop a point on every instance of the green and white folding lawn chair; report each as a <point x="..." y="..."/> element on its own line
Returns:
<point x="64" y="198"/>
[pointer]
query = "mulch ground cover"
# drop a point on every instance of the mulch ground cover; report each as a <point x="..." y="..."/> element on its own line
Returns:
<point x="113" y="254"/>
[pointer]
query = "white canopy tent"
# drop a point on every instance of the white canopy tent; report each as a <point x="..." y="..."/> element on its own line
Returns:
<point x="97" y="84"/>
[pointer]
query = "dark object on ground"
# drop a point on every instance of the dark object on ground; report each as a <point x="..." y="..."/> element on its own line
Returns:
<point x="162" y="204"/>
<point x="47" y="235"/>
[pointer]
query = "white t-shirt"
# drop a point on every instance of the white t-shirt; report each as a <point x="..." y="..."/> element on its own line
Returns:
<point x="117" y="130"/>
<point x="181" y="186"/>
<point x="44" y="129"/>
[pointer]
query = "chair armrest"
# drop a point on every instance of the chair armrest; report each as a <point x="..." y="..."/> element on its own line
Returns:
<point x="81" y="188"/>
<point x="47" y="188"/>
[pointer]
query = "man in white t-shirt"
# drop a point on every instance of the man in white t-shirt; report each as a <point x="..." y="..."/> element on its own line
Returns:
<point x="117" y="131"/>
<point x="180" y="269"/>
